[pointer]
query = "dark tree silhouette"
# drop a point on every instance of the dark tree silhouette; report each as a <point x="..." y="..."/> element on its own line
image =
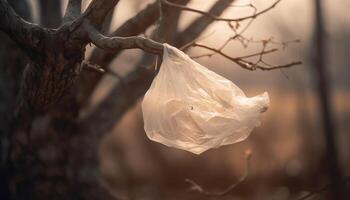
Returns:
<point x="324" y="95"/>
<point x="48" y="148"/>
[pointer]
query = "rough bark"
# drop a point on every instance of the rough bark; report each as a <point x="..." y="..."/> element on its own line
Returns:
<point x="42" y="132"/>
<point x="12" y="64"/>
<point x="55" y="55"/>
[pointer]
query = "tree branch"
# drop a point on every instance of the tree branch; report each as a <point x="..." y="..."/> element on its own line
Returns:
<point x="201" y="23"/>
<point x="123" y="96"/>
<point x="143" y="78"/>
<point x="27" y="35"/>
<point x="217" y="18"/>
<point x="98" y="10"/>
<point x="118" y="43"/>
<point x="139" y="23"/>
<point x="129" y="88"/>
<point x="138" y="81"/>
<point x="166" y="30"/>
<point x="73" y="10"/>
<point x="196" y="187"/>
<point x="249" y="65"/>
<point x="50" y="13"/>
<point x="134" y="26"/>
<point x="105" y="29"/>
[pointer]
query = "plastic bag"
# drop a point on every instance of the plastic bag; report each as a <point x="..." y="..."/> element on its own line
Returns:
<point x="192" y="108"/>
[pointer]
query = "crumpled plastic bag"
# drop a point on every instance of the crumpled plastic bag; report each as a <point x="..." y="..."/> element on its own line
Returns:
<point x="192" y="108"/>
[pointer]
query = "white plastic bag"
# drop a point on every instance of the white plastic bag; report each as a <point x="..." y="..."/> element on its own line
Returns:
<point x="192" y="108"/>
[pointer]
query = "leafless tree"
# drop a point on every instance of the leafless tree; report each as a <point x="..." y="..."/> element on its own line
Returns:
<point x="49" y="149"/>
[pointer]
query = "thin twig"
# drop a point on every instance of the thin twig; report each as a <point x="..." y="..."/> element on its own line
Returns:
<point x="189" y="44"/>
<point x="97" y="68"/>
<point x="252" y="66"/>
<point x="196" y="187"/>
<point x="217" y="18"/>
<point x="87" y="65"/>
<point x="241" y="57"/>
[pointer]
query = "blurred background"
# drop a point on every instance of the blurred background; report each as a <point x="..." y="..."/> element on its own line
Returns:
<point x="289" y="149"/>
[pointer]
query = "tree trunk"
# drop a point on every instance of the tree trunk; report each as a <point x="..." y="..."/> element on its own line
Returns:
<point x="12" y="63"/>
<point x="324" y="94"/>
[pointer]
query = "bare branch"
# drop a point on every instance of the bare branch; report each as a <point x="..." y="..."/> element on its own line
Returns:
<point x="87" y="65"/>
<point x="139" y="23"/>
<point x="238" y="31"/>
<point x="245" y="64"/>
<point x="160" y="19"/>
<point x="98" y="10"/>
<point x="134" y="26"/>
<point x="138" y="80"/>
<point x="167" y="28"/>
<point x="201" y="23"/>
<point x="27" y="35"/>
<point x="105" y="29"/>
<point x="73" y="10"/>
<point x="22" y="8"/>
<point x="118" y="43"/>
<point x="241" y="57"/>
<point x="217" y="18"/>
<point x="134" y="84"/>
<point x="196" y="187"/>
<point x="50" y="13"/>
<point x="123" y="96"/>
